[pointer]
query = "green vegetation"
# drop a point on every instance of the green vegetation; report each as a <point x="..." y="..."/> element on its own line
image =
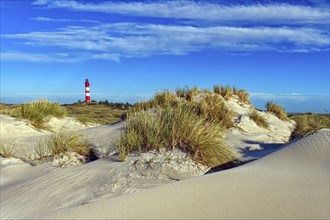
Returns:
<point x="98" y="113"/>
<point x="225" y="92"/>
<point x="277" y="110"/>
<point x="210" y="106"/>
<point x="258" y="119"/>
<point x="243" y="96"/>
<point x="187" y="93"/>
<point x="7" y="148"/>
<point x="177" y="127"/>
<point x="178" y="120"/>
<point x="228" y="92"/>
<point x="62" y="142"/>
<point x="214" y="109"/>
<point x="9" y="109"/>
<point x="35" y="112"/>
<point x="164" y="99"/>
<point x="309" y="123"/>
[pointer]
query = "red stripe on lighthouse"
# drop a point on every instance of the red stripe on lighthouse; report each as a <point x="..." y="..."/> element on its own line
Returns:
<point x="87" y="91"/>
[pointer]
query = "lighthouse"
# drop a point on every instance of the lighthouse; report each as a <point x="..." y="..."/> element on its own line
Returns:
<point x="87" y="91"/>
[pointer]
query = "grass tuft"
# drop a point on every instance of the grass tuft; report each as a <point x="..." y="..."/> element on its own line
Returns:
<point x="243" y="96"/>
<point x="180" y="128"/>
<point x="62" y="142"/>
<point x="7" y="149"/>
<point x="217" y="89"/>
<point x="227" y="92"/>
<point x="309" y="123"/>
<point x="164" y="99"/>
<point x="259" y="120"/>
<point x="277" y="110"/>
<point x="37" y="112"/>
<point x="214" y="109"/>
<point x="187" y="93"/>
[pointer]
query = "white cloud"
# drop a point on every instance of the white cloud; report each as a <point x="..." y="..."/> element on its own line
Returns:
<point x="114" y="41"/>
<point x="295" y="97"/>
<point x="202" y="10"/>
<point x="46" y="19"/>
<point x="32" y="57"/>
<point x="53" y="57"/>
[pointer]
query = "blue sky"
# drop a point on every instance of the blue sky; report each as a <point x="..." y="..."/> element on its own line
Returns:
<point x="276" y="50"/>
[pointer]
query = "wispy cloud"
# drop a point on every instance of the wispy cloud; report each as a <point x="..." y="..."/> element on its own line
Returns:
<point x="54" y="57"/>
<point x="114" y="41"/>
<point x="235" y="29"/>
<point x="46" y="19"/>
<point x="295" y="97"/>
<point x="34" y="57"/>
<point x="202" y="10"/>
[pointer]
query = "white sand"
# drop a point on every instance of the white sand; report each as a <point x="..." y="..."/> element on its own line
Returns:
<point x="24" y="135"/>
<point x="251" y="140"/>
<point x="10" y="127"/>
<point x="292" y="183"/>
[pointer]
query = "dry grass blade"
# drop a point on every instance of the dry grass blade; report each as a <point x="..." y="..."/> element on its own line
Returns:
<point x="277" y="110"/>
<point x="259" y="120"/>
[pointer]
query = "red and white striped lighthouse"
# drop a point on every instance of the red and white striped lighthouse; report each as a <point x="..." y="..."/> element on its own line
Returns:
<point x="87" y="91"/>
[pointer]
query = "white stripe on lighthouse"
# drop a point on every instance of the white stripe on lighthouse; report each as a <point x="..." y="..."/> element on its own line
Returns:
<point x="88" y="94"/>
<point x="88" y="89"/>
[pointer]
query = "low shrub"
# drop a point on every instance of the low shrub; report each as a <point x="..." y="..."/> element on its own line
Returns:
<point x="277" y="110"/>
<point x="259" y="120"/>
<point x="177" y="127"/>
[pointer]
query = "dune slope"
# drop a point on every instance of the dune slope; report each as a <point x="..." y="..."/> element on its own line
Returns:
<point x="292" y="183"/>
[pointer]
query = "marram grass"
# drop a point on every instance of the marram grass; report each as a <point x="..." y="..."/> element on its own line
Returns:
<point x="180" y="128"/>
<point x="36" y="112"/>
<point x="213" y="108"/>
<point x="62" y="142"/>
<point x="309" y="123"/>
<point x="258" y="119"/>
<point x="277" y="110"/>
<point x="7" y="148"/>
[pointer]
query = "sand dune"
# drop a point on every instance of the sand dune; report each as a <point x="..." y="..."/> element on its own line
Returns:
<point x="292" y="183"/>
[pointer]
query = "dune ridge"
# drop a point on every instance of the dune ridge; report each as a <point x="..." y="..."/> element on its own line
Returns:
<point x="292" y="183"/>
